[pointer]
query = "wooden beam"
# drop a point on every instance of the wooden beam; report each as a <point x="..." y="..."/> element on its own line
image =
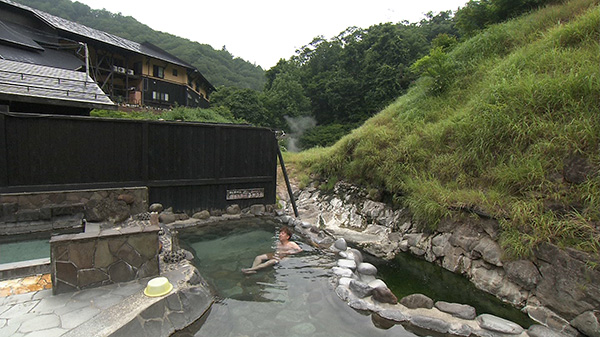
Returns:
<point x="74" y="187"/>
<point x="3" y="152"/>
<point x="203" y="182"/>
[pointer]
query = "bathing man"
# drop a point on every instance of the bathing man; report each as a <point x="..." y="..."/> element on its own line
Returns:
<point x="284" y="248"/>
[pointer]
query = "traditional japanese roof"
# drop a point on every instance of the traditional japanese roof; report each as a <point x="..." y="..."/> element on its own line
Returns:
<point x="18" y="43"/>
<point x="12" y="34"/>
<point x="98" y="35"/>
<point x="49" y="85"/>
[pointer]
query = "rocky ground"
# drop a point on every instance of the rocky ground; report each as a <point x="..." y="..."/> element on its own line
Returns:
<point x="559" y="288"/>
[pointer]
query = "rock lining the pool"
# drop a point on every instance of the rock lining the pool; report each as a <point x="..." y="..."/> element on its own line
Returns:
<point x="356" y="283"/>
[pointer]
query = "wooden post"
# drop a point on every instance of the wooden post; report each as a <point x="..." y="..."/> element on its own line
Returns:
<point x="287" y="180"/>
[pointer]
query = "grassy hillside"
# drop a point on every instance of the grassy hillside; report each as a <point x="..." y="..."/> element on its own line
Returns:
<point x="517" y="113"/>
<point x="218" y="66"/>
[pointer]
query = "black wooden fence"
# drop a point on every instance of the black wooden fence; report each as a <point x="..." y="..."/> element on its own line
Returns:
<point x="189" y="166"/>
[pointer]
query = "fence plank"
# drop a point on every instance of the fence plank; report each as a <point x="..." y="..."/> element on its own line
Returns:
<point x="188" y="166"/>
<point x="3" y="154"/>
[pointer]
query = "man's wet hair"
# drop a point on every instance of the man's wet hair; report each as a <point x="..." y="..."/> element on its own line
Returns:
<point x="287" y="231"/>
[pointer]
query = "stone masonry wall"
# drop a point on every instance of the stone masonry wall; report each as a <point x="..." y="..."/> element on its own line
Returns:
<point x="88" y="260"/>
<point x="559" y="288"/>
<point x="22" y="213"/>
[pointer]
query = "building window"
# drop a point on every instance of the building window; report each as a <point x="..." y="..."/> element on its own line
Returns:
<point x="160" y="96"/>
<point x="175" y="72"/>
<point x="159" y="72"/>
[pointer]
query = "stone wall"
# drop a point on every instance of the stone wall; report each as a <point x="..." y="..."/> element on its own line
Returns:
<point x="559" y="288"/>
<point x="92" y="259"/>
<point x="22" y="213"/>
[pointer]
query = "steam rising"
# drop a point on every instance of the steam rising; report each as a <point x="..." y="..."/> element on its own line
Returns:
<point x="298" y="125"/>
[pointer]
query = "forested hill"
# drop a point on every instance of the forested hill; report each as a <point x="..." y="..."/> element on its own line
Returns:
<point x="218" y="66"/>
<point x="503" y="125"/>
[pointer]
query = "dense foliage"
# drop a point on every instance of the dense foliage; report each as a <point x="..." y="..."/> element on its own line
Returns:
<point x="512" y="133"/>
<point x="218" y="66"/>
<point x="213" y="115"/>
<point x="343" y="81"/>
<point x="479" y="14"/>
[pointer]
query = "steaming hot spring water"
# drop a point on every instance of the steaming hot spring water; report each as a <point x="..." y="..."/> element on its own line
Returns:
<point x="297" y="297"/>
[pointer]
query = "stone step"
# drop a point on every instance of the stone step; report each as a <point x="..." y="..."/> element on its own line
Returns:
<point x="57" y="224"/>
<point x="8" y="209"/>
<point x="10" y="212"/>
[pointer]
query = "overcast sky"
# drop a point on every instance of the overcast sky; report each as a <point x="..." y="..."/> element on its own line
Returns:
<point x="264" y="31"/>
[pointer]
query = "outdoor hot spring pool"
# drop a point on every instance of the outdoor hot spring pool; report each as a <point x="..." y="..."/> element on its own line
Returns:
<point x="295" y="298"/>
<point x="17" y="248"/>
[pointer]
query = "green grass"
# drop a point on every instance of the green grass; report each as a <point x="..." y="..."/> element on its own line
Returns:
<point x="522" y="97"/>
<point x="212" y="115"/>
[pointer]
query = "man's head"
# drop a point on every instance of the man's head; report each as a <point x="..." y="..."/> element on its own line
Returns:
<point x="286" y="232"/>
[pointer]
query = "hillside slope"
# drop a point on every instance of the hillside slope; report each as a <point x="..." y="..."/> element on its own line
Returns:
<point x="506" y="125"/>
<point x="218" y="66"/>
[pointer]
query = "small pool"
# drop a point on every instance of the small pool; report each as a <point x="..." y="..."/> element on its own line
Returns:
<point x="407" y="274"/>
<point x="296" y="298"/>
<point x="293" y="299"/>
<point x="22" y="248"/>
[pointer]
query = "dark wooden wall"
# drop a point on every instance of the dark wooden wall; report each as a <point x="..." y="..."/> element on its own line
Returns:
<point x="189" y="166"/>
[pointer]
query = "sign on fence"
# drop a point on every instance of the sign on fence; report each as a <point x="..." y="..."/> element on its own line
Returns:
<point x="246" y="193"/>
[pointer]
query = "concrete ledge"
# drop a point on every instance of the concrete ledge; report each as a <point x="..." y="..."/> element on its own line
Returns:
<point x="97" y="258"/>
<point x="20" y="269"/>
<point x="140" y="315"/>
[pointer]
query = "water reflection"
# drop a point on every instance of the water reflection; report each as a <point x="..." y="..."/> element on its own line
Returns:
<point x="295" y="298"/>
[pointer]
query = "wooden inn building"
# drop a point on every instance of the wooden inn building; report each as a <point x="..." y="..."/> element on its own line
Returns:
<point x="52" y="65"/>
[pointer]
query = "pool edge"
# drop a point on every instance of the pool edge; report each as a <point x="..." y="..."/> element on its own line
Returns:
<point x="13" y="270"/>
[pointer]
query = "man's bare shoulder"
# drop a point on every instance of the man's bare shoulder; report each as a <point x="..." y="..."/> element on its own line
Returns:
<point x="294" y="246"/>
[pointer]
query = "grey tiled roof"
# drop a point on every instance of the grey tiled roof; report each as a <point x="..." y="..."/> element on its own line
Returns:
<point x="30" y="80"/>
<point x="10" y="33"/>
<point x="49" y="57"/>
<point x="98" y="35"/>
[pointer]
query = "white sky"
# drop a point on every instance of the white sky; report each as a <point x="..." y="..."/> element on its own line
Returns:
<point x="264" y="31"/>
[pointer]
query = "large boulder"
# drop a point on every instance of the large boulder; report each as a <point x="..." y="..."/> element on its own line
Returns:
<point x="430" y="323"/>
<point x="494" y="282"/>
<point x="233" y="209"/>
<point x="457" y="310"/>
<point x="497" y="324"/>
<point x="439" y="243"/>
<point x="550" y="319"/>
<point x="340" y="244"/>
<point x="345" y="263"/>
<point x="523" y="273"/>
<point x="156" y="207"/>
<point x="588" y="323"/>
<point x="202" y="215"/>
<point x="395" y="315"/>
<point x="384" y="295"/>
<point x="361" y="289"/>
<point x="489" y="250"/>
<point x="366" y="268"/>
<point x="343" y="272"/>
<point x="537" y="330"/>
<point x="416" y="301"/>
<point x="568" y="285"/>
